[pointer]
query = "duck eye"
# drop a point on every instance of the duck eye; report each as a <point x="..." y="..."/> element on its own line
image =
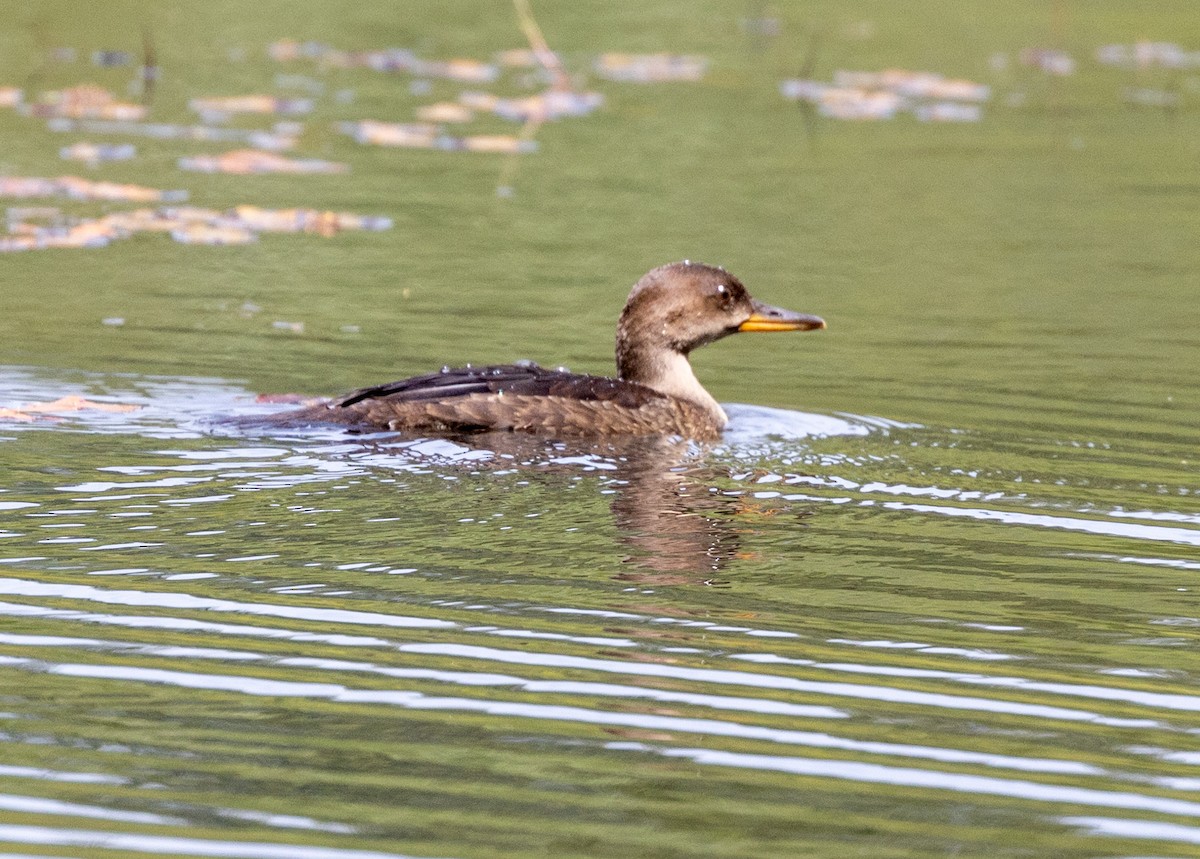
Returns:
<point x="722" y="293"/>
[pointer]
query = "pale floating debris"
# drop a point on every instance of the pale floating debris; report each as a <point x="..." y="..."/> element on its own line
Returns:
<point x="281" y="138"/>
<point x="948" y="111"/>
<point x="803" y="89"/>
<point x="83" y="189"/>
<point x="411" y="134"/>
<point x="386" y="60"/>
<point x="307" y="221"/>
<point x="86" y="101"/>
<point x="429" y="136"/>
<point x="844" y="103"/>
<point x="650" y="68"/>
<point x="188" y="225"/>
<point x="1048" y="60"/>
<point x="882" y="95"/>
<point x="242" y="162"/>
<point x="493" y="143"/>
<point x="94" y="154"/>
<point x="72" y="403"/>
<point x="914" y="84"/>
<point x="445" y="111"/>
<point x="87" y="234"/>
<point x="11" y="96"/>
<point x="158" y="220"/>
<point x="351" y="329"/>
<point x="213" y="234"/>
<point x="219" y="108"/>
<point x="111" y="59"/>
<point x="1142" y="55"/>
<point x="293" y="327"/>
<point x="517" y="58"/>
<point x="459" y="69"/>
<point x="549" y="105"/>
<point x="113" y="321"/>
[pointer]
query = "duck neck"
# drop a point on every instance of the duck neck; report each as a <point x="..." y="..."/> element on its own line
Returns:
<point x="668" y="372"/>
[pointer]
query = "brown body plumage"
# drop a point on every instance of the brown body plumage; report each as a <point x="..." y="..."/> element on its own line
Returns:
<point x="673" y="309"/>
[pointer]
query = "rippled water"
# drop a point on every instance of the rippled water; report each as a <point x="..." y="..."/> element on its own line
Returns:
<point x="935" y="595"/>
<point x="830" y="634"/>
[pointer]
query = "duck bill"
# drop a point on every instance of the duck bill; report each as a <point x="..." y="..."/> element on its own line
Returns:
<point x="768" y="318"/>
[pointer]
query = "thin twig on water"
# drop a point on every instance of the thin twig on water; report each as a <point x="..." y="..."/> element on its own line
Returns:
<point x="561" y="81"/>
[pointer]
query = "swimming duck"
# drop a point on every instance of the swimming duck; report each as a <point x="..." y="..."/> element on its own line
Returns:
<point x="671" y="310"/>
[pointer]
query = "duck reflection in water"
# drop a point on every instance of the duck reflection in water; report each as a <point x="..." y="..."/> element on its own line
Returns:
<point x="676" y="522"/>
<point x="670" y="513"/>
<point x="679" y="526"/>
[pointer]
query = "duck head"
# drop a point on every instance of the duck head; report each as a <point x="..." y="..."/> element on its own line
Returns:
<point x="681" y="306"/>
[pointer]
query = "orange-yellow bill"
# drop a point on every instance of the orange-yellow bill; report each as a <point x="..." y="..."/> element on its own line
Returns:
<point x="768" y="318"/>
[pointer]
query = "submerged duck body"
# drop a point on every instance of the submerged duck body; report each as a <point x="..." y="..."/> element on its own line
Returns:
<point x="672" y="310"/>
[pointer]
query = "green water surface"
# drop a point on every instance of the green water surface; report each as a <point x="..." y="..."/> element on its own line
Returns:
<point x="962" y="622"/>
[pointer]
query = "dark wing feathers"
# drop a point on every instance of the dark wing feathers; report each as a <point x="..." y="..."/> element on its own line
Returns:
<point x="449" y="383"/>
<point x="506" y="379"/>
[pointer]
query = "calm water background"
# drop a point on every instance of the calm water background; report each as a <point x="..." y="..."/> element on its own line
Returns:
<point x="934" y="595"/>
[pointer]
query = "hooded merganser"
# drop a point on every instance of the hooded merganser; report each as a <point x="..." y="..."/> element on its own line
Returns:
<point x="672" y="310"/>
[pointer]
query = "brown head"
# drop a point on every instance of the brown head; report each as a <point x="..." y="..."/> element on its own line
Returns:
<point x="678" y="307"/>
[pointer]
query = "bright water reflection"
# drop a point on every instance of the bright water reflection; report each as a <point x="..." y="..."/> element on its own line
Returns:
<point x="328" y="646"/>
